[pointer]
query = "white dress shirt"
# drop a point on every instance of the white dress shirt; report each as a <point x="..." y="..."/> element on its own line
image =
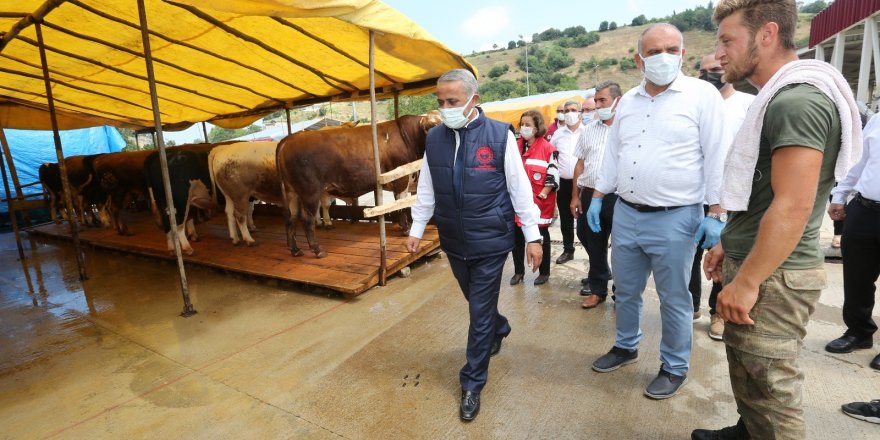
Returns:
<point x="518" y="186"/>
<point x="565" y="140"/>
<point x="864" y="176"/>
<point x="591" y="149"/>
<point x="735" y="108"/>
<point x="669" y="149"/>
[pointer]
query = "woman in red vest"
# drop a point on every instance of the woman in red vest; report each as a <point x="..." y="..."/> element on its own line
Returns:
<point x="539" y="158"/>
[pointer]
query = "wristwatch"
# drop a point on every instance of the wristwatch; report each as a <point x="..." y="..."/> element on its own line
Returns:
<point x="538" y="241"/>
<point x="720" y="217"/>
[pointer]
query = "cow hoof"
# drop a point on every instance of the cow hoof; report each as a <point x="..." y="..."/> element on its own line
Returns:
<point x="189" y="253"/>
<point x="236" y="242"/>
<point x="329" y="227"/>
<point x="319" y="253"/>
<point x="251" y="243"/>
<point x="296" y="252"/>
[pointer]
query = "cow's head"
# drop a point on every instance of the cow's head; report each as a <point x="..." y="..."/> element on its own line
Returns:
<point x="200" y="197"/>
<point x="430" y="120"/>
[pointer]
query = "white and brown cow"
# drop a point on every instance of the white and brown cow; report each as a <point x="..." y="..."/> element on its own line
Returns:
<point x="340" y="163"/>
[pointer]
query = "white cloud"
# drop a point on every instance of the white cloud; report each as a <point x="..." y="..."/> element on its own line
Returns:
<point x="486" y="22"/>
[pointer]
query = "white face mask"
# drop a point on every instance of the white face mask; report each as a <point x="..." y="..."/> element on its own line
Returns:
<point x="606" y="113"/>
<point x="560" y="117"/>
<point x="527" y="132"/>
<point x="588" y="116"/>
<point x="572" y="118"/>
<point x="663" y="68"/>
<point x="454" y="118"/>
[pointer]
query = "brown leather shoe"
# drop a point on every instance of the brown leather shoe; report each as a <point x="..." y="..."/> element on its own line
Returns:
<point x="592" y="301"/>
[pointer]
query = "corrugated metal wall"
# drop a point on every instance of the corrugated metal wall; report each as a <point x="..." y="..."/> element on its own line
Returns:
<point x="839" y="16"/>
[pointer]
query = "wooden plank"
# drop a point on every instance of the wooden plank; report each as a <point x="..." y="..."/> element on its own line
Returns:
<point x="396" y="205"/>
<point x="403" y="170"/>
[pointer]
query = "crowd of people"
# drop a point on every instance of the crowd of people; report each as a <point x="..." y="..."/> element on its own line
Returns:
<point x="682" y="177"/>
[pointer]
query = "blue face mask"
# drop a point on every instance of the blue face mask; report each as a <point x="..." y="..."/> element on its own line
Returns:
<point x="588" y="116"/>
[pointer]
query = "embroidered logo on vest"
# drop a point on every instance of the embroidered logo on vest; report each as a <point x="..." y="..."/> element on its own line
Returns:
<point x="484" y="157"/>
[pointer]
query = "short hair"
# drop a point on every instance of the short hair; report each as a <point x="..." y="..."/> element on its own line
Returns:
<point x="538" y="119"/>
<point x="465" y="76"/>
<point x="757" y="13"/>
<point x="613" y="88"/>
<point x="659" y="25"/>
<point x="571" y="102"/>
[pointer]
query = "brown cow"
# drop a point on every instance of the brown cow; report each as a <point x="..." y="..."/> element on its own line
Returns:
<point x="340" y="162"/>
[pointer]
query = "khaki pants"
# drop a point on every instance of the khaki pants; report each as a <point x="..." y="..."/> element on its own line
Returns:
<point x="764" y="372"/>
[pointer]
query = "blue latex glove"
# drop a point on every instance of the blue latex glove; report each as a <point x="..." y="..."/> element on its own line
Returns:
<point x="709" y="232"/>
<point x="593" y="215"/>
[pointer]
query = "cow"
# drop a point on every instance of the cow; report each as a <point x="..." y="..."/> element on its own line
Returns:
<point x="189" y="178"/>
<point x="242" y="171"/>
<point x="341" y="163"/>
<point x="80" y="174"/>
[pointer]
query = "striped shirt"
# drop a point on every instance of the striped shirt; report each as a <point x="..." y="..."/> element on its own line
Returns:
<point x="591" y="149"/>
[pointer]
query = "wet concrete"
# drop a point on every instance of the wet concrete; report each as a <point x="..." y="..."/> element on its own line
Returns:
<point x="111" y="358"/>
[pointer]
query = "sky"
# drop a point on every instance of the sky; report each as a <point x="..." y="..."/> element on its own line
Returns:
<point x="467" y="26"/>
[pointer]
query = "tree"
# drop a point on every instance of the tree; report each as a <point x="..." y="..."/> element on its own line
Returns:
<point x="494" y="46"/>
<point x="814" y="8"/>
<point x="520" y="43"/>
<point x="603" y="26"/>
<point x="640" y="20"/>
<point x="498" y="89"/>
<point x="612" y="26"/>
<point x="551" y="34"/>
<point x="413" y="105"/>
<point x="574" y="31"/>
<point x="511" y="45"/>
<point x="558" y="58"/>
<point x="498" y="70"/>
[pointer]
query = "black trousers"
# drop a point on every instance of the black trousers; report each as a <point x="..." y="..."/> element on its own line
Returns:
<point x="860" y="248"/>
<point x="695" y="284"/>
<point x="596" y="243"/>
<point x="566" y="220"/>
<point x="519" y="252"/>
<point x="480" y="282"/>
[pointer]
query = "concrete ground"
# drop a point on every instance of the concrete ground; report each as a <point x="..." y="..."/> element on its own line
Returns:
<point x="110" y="358"/>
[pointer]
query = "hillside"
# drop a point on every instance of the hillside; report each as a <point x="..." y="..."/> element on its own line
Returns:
<point x="617" y="44"/>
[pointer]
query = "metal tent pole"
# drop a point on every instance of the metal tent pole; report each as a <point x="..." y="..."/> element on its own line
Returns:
<point x="188" y="309"/>
<point x="205" y="131"/>
<point x="382" y="262"/>
<point x="13" y="174"/>
<point x="9" y="202"/>
<point x="289" y="131"/>
<point x="62" y="167"/>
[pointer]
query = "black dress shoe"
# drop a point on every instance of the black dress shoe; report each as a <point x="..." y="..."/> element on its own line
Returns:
<point x="541" y="279"/>
<point x="496" y="346"/>
<point x="516" y="279"/>
<point x="470" y="405"/>
<point x="875" y="364"/>
<point x="848" y="343"/>
<point x="585" y="281"/>
<point x="564" y="257"/>
<point x="735" y="432"/>
<point x="586" y="291"/>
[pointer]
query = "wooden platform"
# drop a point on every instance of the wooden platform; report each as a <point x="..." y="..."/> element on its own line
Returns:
<point x="351" y="265"/>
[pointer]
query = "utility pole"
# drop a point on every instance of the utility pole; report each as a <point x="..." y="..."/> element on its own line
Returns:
<point x="526" y="44"/>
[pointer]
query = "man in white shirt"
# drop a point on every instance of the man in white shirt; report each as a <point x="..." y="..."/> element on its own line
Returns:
<point x="590" y="152"/>
<point x="860" y="245"/>
<point x="565" y="139"/>
<point x="472" y="182"/>
<point x="736" y="104"/>
<point x="664" y="157"/>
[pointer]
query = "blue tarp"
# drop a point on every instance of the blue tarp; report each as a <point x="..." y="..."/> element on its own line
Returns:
<point x="31" y="148"/>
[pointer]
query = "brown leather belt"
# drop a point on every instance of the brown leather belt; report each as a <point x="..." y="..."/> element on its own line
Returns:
<point x="647" y="208"/>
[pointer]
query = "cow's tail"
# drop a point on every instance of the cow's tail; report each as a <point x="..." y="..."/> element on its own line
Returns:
<point x="211" y="174"/>
<point x="289" y="216"/>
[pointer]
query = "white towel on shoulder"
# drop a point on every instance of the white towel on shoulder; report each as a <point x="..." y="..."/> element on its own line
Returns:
<point x="739" y="168"/>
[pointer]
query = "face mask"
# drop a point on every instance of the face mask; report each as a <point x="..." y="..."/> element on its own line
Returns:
<point x="714" y="78"/>
<point x="454" y="118"/>
<point x="606" y="113"/>
<point x="588" y="116"/>
<point x="572" y="118"/>
<point x="663" y="68"/>
<point x="527" y="132"/>
<point x="560" y="117"/>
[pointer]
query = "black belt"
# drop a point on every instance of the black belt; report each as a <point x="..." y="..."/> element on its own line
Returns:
<point x="868" y="203"/>
<point x="647" y="208"/>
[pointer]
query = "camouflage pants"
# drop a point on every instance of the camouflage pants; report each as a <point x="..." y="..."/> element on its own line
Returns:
<point x="762" y="358"/>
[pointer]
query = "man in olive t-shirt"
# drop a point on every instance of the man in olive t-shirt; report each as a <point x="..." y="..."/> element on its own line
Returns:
<point x="769" y="255"/>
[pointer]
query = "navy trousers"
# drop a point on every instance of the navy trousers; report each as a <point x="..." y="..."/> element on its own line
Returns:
<point x="480" y="281"/>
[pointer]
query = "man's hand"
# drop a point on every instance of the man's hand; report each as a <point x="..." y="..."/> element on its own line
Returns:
<point x="575" y="206"/>
<point x="836" y="211"/>
<point x="709" y="232"/>
<point x="712" y="263"/>
<point x="593" y="215"/>
<point x="535" y="253"/>
<point x="412" y="244"/>
<point x="735" y="301"/>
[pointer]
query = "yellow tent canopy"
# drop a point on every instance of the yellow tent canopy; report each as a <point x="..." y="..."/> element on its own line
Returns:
<point x="229" y="68"/>
<point x="510" y="110"/>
